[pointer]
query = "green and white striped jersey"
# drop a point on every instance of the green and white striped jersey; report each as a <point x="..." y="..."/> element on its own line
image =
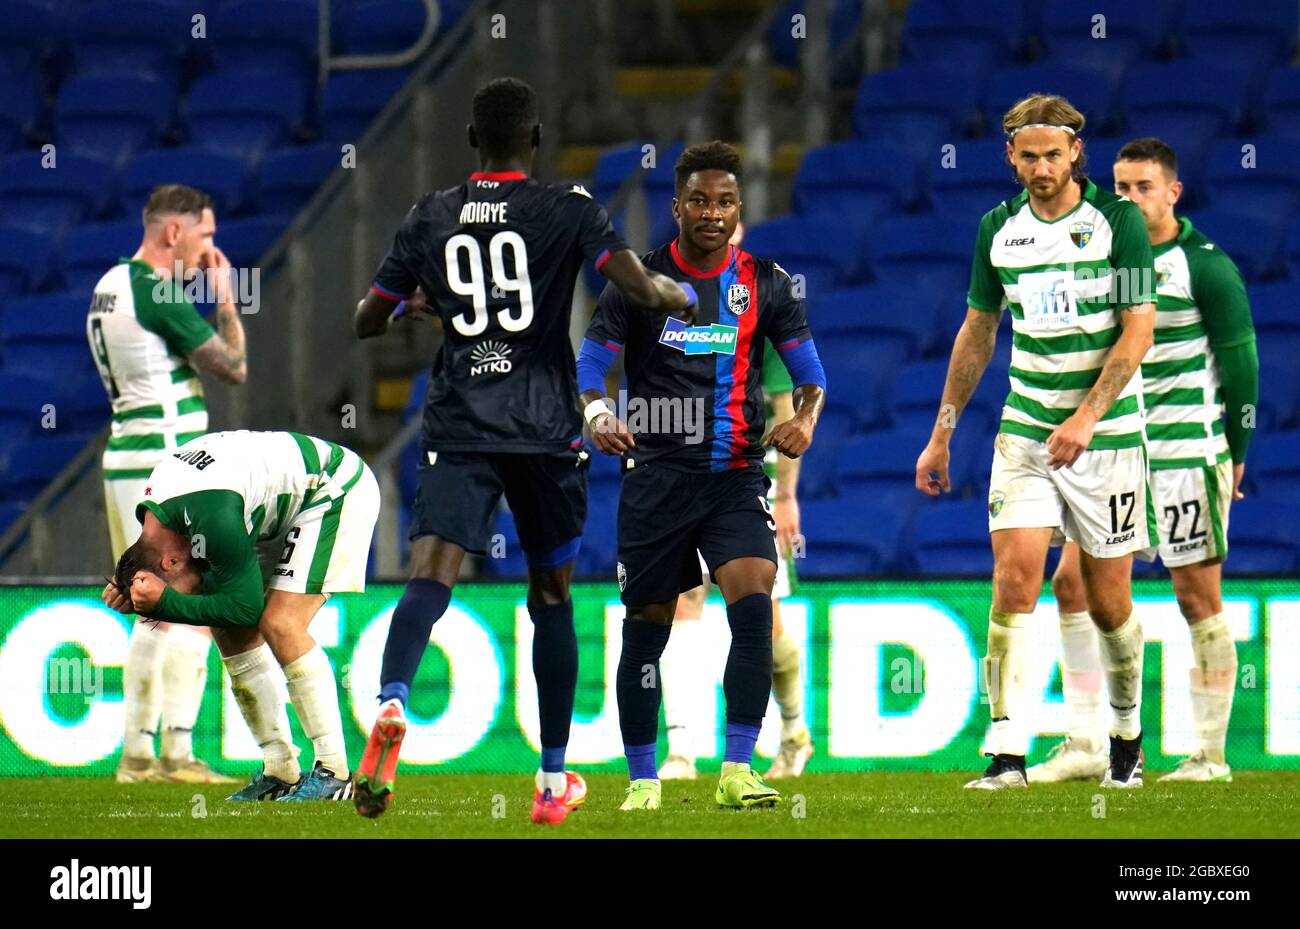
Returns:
<point x="1180" y="382"/>
<point x="1059" y="280"/>
<point x="140" y="331"/>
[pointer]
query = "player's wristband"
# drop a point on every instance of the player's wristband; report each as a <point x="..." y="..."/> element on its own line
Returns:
<point x="692" y="298"/>
<point x="596" y="408"/>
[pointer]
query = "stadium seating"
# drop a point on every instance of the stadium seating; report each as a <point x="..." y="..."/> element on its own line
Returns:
<point x="221" y="175"/>
<point x="24" y="260"/>
<point x="112" y="116"/>
<point x="289" y="176"/>
<point x="952" y="538"/>
<point x="244" y="113"/>
<point x="857" y="181"/>
<point x="144" y="36"/>
<point x="963" y="35"/>
<point x="1185" y="99"/>
<point x="1263" y="180"/>
<point x="53" y="199"/>
<point x="1107" y="34"/>
<point x="90" y="251"/>
<point x="1262" y="32"/>
<point x="30" y="463"/>
<point x="919" y="104"/>
<point x="1091" y="90"/>
<point x="351" y="99"/>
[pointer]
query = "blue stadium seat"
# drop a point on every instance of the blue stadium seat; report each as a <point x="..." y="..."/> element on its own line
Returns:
<point x="911" y="247"/>
<point x="144" y="36"/>
<point x="952" y="538"/>
<point x="380" y="26"/>
<point x="1261" y="33"/>
<point x="660" y="186"/>
<point x="847" y="538"/>
<point x="23" y="398"/>
<point x="1279" y="394"/>
<point x="20" y="109"/>
<point x="252" y="33"/>
<point x="352" y="99"/>
<point x="110" y="116"/>
<point x="817" y="473"/>
<point x="918" y="103"/>
<point x="1184" y="98"/>
<point x="598" y="556"/>
<point x="955" y="32"/>
<point x="32" y="463"/>
<point x="918" y="387"/>
<point x="9" y="514"/>
<point x="879" y="466"/>
<point x="974" y="181"/>
<point x="1274" y="465"/>
<point x="1291" y="249"/>
<point x="244" y="113"/>
<point x="290" y="176"/>
<point x="84" y="404"/>
<point x="855" y="182"/>
<point x="24" y="261"/>
<point x="1254" y="242"/>
<point x="1270" y="186"/>
<point x="1132" y="31"/>
<point x="52" y="200"/>
<point x="825" y="253"/>
<point x="46" y="333"/>
<point x="904" y="316"/>
<point x="1262" y="536"/>
<point x="222" y="176"/>
<point x="90" y="251"/>
<point x="844" y="19"/>
<point x="1281" y="101"/>
<point x="245" y="240"/>
<point x="1091" y="90"/>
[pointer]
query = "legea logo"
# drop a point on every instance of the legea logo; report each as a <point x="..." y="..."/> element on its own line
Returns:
<point x="698" y="340"/>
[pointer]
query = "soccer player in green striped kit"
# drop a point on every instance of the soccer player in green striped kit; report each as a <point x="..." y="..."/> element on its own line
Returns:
<point x="1073" y="264"/>
<point x="1199" y="380"/>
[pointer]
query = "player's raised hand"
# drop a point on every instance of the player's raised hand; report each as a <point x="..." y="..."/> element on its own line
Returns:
<point x="932" y="469"/>
<point x="114" y="599"/>
<point x="146" y="591"/>
<point x="611" y="434"/>
<point x="791" y="438"/>
<point x="1070" y="439"/>
<point x="217" y="268"/>
<point x="1238" y="474"/>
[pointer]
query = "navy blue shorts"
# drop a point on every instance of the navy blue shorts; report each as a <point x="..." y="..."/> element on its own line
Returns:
<point x="457" y="494"/>
<point x="665" y="516"/>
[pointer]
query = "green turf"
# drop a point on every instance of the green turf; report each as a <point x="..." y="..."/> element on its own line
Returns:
<point x="1255" y="804"/>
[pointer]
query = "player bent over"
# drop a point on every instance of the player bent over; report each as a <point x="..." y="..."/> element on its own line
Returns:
<point x="249" y="533"/>
<point x="1203" y="364"/>
<point x="1073" y="265"/>
<point x="680" y="660"/>
<point x="496" y="257"/>
<point x="688" y="490"/>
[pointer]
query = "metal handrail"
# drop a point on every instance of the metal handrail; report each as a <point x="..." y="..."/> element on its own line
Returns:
<point x="328" y="62"/>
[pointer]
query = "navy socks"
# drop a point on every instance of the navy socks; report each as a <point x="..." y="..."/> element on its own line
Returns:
<point x="555" y="667"/>
<point x="747" y="680"/>
<point x="638" y="688"/>
<point x="422" y="604"/>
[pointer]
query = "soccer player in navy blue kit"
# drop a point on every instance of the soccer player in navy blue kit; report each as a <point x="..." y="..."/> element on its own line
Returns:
<point x="496" y="258"/>
<point x="686" y="489"/>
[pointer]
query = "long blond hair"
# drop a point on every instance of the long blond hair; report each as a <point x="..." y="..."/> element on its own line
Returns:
<point x="1047" y="110"/>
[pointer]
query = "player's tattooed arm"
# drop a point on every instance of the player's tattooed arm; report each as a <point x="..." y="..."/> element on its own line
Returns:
<point x="224" y="353"/>
<point x="971" y="351"/>
<point x="646" y="290"/>
<point x="1070" y="439"/>
<point x="793" y="437"/>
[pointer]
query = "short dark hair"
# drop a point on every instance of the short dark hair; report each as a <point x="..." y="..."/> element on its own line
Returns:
<point x="1150" y="149"/>
<point x="169" y="199"/>
<point x="139" y="556"/>
<point x="504" y="113"/>
<point x="707" y="156"/>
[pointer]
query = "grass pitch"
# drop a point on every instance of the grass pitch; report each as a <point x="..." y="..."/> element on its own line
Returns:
<point x="873" y="805"/>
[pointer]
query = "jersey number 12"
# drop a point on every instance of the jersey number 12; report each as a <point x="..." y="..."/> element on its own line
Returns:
<point x="512" y="319"/>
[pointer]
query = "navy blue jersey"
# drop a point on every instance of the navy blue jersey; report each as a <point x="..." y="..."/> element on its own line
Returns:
<point x="714" y="366"/>
<point x="497" y="257"/>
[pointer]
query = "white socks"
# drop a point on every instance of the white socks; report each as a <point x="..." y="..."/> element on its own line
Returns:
<point x="253" y="676"/>
<point x="1121" y="652"/>
<point x="1081" y="680"/>
<point x="558" y="782"/>
<point x="677" y="667"/>
<point x="1214" y="678"/>
<point x="1004" y="675"/>
<point x="787" y="685"/>
<point x="142" y="689"/>
<point x="316" y="701"/>
<point x="184" y="672"/>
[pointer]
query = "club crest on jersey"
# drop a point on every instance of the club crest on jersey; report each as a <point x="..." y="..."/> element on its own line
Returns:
<point x="738" y="298"/>
<point x="490" y="358"/>
<point x="996" y="500"/>
<point x="698" y="340"/>
<point x="1081" y="233"/>
<point x="1163" y="274"/>
<point x="622" y="577"/>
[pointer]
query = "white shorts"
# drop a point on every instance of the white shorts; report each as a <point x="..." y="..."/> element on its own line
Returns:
<point x="326" y="547"/>
<point x="1192" y="512"/>
<point x="1102" y="502"/>
<point x="784" y="583"/>
<point x="120" y="498"/>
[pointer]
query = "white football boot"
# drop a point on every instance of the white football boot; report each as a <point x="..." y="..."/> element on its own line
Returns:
<point x="1199" y="768"/>
<point x="677" y="768"/>
<point x="1071" y="760"/>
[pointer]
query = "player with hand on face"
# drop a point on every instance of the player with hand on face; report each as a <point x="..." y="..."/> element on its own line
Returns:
<point x="1073" y="264"/>
<point x="496" y="258"/>
<point x="1203" y="366"/>
<point x="686" y="491"/>
<point x="248" y="533"/>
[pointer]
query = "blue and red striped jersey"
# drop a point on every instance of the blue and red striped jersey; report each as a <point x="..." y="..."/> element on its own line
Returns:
<point x="694" y="396"/>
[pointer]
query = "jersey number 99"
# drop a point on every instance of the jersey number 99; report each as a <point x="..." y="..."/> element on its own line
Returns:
<point x="511" y="319"/>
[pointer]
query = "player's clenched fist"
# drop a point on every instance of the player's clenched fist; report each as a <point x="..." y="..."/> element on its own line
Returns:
<point x="932" y="470"/>
<point x="610" y="434"/>
<point x="114" y="599"/>
<point x="146" y="590"/>
<point x="791" y="438"/>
